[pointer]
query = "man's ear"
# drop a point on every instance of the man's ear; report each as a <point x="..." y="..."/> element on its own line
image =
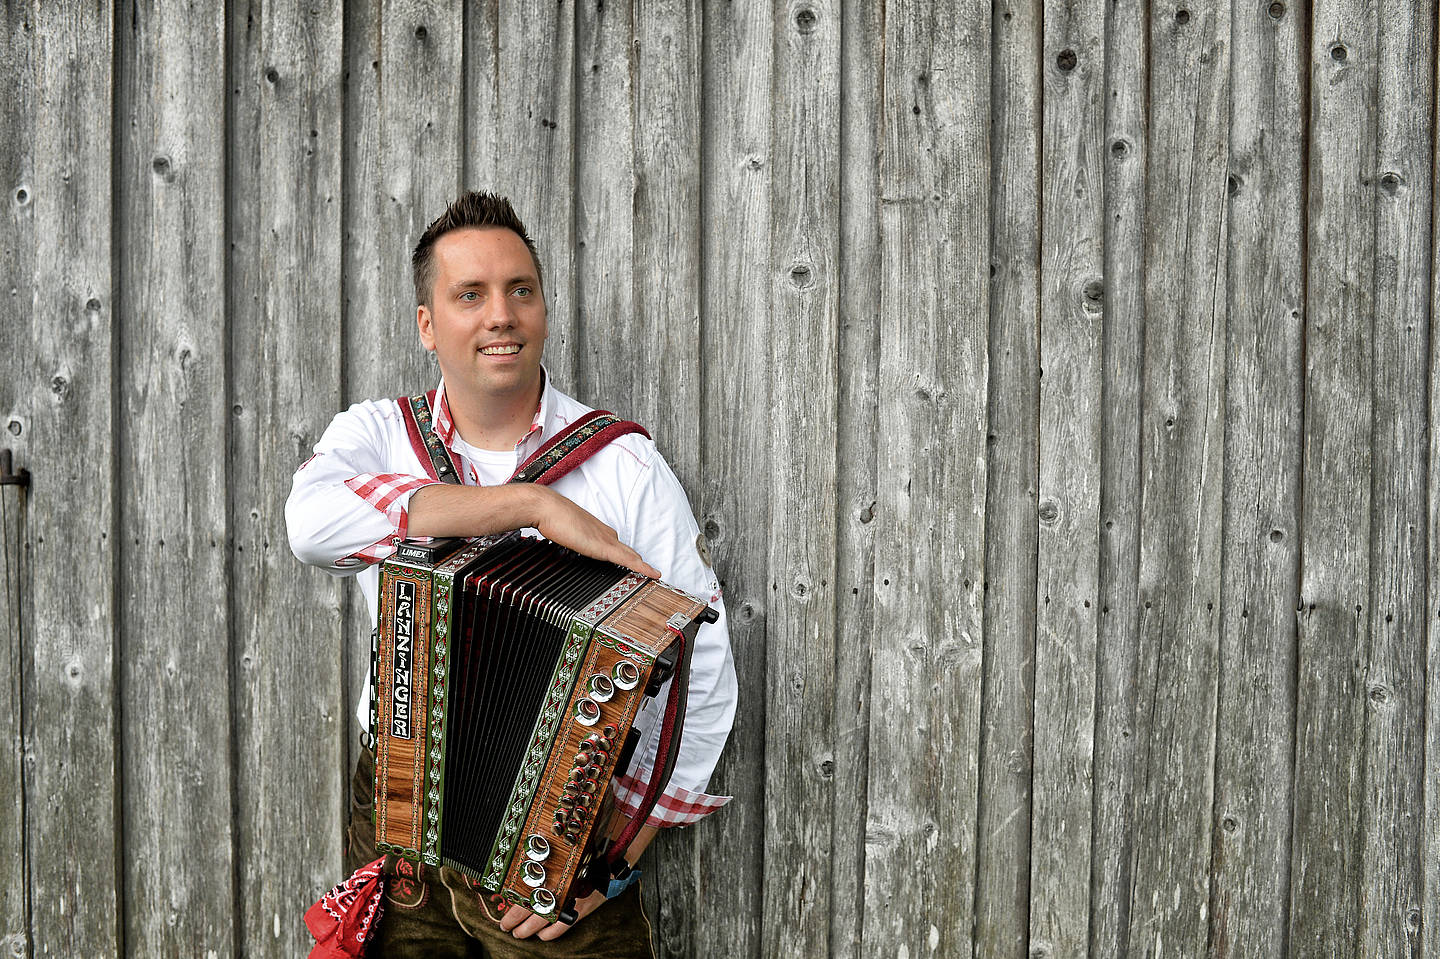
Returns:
<point x="427" y="330"/>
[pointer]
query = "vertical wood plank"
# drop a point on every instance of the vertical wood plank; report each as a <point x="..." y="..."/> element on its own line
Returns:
<point x="1127" y="79"/>
<point x="664" y="382"/>
<point x="666" y="390"/>
<point x="418" y="97"/>
<point x="17" y="267"/>
<point x="72" y="797"/>
<point x="1393" y="747"/>
<point x="292" y="726"/>
<point x="803" y="335"/>
<point x="610" y="344"/>
<point x="1255" y="718"/>
<point x="535" y="160"/>
<point x="361" y="308"/>
<point x="733" y="504"/>
<point x="1182" y="446"/>
<point x="1430" y="838"/>
<point x="929" y="551"/>
<point x="1326" y="867"/>
<point x="861" y="51"/>
<point x="1067" y="588"/>
<point x="1002" y="886"/>
<point x="175" y="675"/>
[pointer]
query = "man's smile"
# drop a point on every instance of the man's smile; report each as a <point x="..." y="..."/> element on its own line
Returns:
<point x="501" y="349"/>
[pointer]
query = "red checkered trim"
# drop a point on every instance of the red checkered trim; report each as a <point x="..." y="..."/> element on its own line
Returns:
<point x="675" y="807"/>
<point x="383" y="491"/>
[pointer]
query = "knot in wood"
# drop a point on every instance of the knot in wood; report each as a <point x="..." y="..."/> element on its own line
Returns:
<point x="1182" y="16"/>
<point x="1232" y="184"/>
<point x="15" y="427"/>
<point x="712" y="528"/>
<point x="1067" y="60"/>
<point x="1049" y="512"/>
<point x="59" y="385"/>
<point x="1276" y="535"/>
<point x="22" y="196"/>
<point x="867" y="513"/>
<point x="1338" y="53"/>
<point x="827" y="768"/>
<point x="1120" y="149"/>
<point x="801" y="277"/>
<point x="1380" y="695"/>
<point x="805" y="20"/>
<point x="92" y="305"/>
<point x="1230" y="824"/>
<point x="1094" y="293"/>
<point x="421" y="33"/>
<point x="1391" y="183"/>
<point x="1277" y="10"/>
<point x="161" y="166"/>
<point x="272" y="75"/>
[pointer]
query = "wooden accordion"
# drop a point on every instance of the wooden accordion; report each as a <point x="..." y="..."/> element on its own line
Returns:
<point x="508" y="672"/>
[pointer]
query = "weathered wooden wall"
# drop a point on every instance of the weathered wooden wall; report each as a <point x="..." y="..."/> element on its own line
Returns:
<point x="1053" y="379"/>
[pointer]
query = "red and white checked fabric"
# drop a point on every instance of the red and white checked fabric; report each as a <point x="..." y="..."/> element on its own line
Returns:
<point x="348" y="509"/>
<point x="675" y="807"/>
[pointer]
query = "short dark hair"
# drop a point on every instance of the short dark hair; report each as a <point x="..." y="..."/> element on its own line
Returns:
<point x="471" y="209"/>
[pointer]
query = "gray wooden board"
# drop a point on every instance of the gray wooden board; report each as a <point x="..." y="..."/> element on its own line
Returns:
<point x="361" y="309"/>
<point x="606" y="333"/>
<point x="17" y="239"/>
<point x="72" y="792"/>
<point x="1126" y="149"/>
<point x="665" y="377"/>
<point x="1255" y="718"/>
<point x="292" y="726"/>
<point x="1067" y="588"/>
<point x="733" y="504"/>
<point x="175" y="677"/>
<point x="1336" y="516"/>
<point x="1393" y="747"/>
<point x="861" y="35"/>
<point x="929" y="547"/>
<point x="1182" y="449"/>
<point x="1002" y="887"/>
<point x="534" y="104"/>
<point x="803" y="360"/>
<point x="1430" y="839"/>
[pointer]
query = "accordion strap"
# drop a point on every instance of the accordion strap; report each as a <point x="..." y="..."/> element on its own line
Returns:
<point x="560" y="455"/>
<point x="669" y="747"/>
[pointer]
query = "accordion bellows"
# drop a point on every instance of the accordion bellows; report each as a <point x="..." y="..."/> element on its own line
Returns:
<point x="508" y="673"/>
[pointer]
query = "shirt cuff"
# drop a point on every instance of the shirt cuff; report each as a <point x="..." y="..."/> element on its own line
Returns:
<point x="388" y="493"/>
<point x="676" y="806"/>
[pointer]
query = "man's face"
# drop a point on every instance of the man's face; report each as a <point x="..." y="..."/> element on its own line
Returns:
<point x="486" y="318"/>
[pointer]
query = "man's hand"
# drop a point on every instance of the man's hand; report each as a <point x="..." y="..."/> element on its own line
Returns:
<point x="522" y="923"/>
<point x="561" y="521"/>
<point x="451" y="510"/>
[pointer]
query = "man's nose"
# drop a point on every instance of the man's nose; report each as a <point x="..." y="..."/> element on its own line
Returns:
<point x="498" y="313"/>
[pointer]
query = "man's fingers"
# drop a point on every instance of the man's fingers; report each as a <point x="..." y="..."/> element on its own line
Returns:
<point x="529" y="927"/>
<point x="553" y="931"/>
<point x="631" y="559"/>
<point x="514" y="916"/>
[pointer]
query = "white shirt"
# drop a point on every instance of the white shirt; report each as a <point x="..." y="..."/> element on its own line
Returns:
<point x="348" y="509"/>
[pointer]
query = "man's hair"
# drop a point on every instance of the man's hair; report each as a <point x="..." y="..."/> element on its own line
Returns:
<point x="472" y="209"/>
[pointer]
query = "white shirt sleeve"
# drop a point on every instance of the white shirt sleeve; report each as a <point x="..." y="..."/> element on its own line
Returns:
<point x="347" y="508"/>
<point x="662" y="529"/>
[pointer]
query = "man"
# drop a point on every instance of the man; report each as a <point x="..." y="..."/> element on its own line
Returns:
<point x="480" y="309"/>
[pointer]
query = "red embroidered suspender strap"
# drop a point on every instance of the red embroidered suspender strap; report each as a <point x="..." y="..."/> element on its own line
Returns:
<point x="563" y="452"/>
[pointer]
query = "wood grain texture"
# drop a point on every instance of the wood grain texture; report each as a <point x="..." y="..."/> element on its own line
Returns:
<point x="174" y="519"/>
<point x="1067" y="587"/>
<point x="536" y="128"/>
<point x="73" y="790"/>
<point x="17" y="266"/>
<point x="1255" y="716"/>
<point x="1182" y="448"/>
<point x="1430" y="835"/>
<point x="929" y="547"/>
<point x="861" y="36"/>
<point x="665" y="379"/>
<point x="804" y="340"/>
<point x="292" y="727"/>
<point x="1336" y="513"/>
<point x="1003" y="825"/>
<point x="1126" y="122"/>
<point x="733" y="503"/>
<point x="1393" y="751"/>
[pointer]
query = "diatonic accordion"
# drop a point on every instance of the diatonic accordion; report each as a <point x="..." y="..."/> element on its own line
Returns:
<point x="508" y="673"/>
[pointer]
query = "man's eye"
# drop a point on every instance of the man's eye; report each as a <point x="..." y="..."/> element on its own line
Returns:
<point x="469" y="296"/>
<point x="522" y="291"/>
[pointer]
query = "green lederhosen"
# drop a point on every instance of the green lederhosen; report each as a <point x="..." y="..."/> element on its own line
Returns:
<point x="432" y="912"/>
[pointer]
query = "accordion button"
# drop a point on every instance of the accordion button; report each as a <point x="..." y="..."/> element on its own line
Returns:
<point x="581" y="816"/>
<point x="537" y="847"/>
<point x="626" y="674"/>
<point x="602" y="688"/>
<point x="609" y="731"/>
<point x="592" y="772"/>
<point x="534" y="873"/>
<point x="587" y="712"/>
<point x="542" y="902"/>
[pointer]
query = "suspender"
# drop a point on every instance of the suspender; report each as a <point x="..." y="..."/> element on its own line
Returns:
<point x="560" y="455"/>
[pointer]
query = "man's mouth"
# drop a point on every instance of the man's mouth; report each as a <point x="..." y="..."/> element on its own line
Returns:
<point x="504" y="349"/>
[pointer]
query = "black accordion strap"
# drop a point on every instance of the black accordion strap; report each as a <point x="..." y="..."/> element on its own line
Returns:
<point x="421" y="427"/>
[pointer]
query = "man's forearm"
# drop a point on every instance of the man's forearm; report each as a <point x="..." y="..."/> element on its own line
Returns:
<point x="449" y="510"/>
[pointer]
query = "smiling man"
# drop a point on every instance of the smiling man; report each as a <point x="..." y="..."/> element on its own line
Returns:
<point x="480" y="309"/>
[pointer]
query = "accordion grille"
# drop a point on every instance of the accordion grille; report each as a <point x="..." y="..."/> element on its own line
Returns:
<point x="509" y="624"/>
